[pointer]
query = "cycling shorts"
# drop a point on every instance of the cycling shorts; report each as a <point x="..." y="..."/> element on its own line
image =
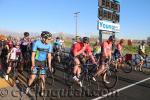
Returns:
<point x="40" y="68"/>
<point x="116" y="54"/>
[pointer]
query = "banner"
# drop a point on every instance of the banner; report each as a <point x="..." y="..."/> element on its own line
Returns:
<point x="108" y="26"/>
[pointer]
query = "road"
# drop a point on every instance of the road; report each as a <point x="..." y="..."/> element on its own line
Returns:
<point x="129" y="87"/>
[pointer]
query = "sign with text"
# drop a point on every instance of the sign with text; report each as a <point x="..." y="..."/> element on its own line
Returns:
<point x="108" y="15"/>
<point x="108" y="26"/>
<point x="110" y="5"/>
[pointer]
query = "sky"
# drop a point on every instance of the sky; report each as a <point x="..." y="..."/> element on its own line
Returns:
<point x="58" y="16"/>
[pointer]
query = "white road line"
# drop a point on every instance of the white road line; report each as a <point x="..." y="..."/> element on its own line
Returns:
<point x="121" y="89"/>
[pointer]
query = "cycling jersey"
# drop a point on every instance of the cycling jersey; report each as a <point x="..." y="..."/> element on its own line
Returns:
<point x="117" y="52"/>
<point x="78" y="46"/>
<point x="15" y="53"/>
<point x="41" y="50"/>
<point x="141" y="49"/>
<point x="24" y="44"/>
<point x="106" y="49"/>
<point x="61" y="42"/>
<point x="97" y="50"/>
<point x="25" y="41"/>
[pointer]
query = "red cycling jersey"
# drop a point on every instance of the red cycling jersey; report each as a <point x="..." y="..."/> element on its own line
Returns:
<point x="78" y="46"/>
<point x="106" y="48"/>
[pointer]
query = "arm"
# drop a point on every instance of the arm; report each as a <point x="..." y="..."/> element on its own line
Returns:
<point x="88" y="50"/>
<point x="33" y="58"/>
<point x="49" y="60"/>
<point x="34" y="49"/>
<point x="49" y="57"/>
<point x="79" y="52"/>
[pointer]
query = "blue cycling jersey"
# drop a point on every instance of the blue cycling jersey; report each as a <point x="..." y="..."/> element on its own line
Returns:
<point x="41" y="50"/>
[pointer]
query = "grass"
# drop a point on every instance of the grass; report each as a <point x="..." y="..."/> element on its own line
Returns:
<point x="126" y="49"/>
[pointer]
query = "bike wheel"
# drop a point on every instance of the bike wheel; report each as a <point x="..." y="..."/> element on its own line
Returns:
<point x="68" y="77"/>
<point x="126" y="67"/>
<point x="50" y="78"/>
<point x="42" y="90"/>
<point x="112" y="78"/>
<point x="86" y="81"/>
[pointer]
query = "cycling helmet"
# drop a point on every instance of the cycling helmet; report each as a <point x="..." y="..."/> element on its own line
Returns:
<point x="86" y="40"/>
<point x="57" y="38"/>
<point x="46" y="34"/>
<point x="111" y="38"/>
<point x="26" y="34"/>
<point x="77" y="37"/>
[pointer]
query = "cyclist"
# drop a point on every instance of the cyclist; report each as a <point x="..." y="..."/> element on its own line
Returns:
<point x="41" y="56"/>
<point x="25" y="43"/>
<point x="62" y="42"/>
<point x="57" y="48"/>
<point x="141" y="52"/>
<point x="13" y="56"/>
<point x="106" y="54"/>
<point x="26" y="49"/>
<point x="118" y="52"/>
<point x="57" y="44"/>
<point x="77" y="51"/>
<point x="10" y="42"/>
<point x="3" y="53"/>
<point x="77" y="39"/>
<point x="96" y="49"/>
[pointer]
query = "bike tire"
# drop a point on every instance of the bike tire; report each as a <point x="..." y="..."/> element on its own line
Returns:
<point x="39" y="87"/>
<point x="127" y="67"/>
<point x="50" y="78"/>
<point x="68" y="77"/>
<point x="112" y="77"/>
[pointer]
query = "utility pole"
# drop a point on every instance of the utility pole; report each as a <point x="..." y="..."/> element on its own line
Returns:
<point x="76" y="25"/>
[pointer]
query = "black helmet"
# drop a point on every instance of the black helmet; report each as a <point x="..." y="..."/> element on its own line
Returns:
<point x="111" y="38"/>
<point x="26" y="34"/>
<point x="57" y="38"/>
<point x="86" y="40"/>
<point x="46" y="34"/>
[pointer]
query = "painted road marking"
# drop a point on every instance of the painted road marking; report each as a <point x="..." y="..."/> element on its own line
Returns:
<point x="121" y="89"/>
<point x="3" y="83"/>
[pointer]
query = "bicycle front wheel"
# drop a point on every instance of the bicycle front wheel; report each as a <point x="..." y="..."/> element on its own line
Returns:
<point x="111" y="78"/>
<point x="50" y="78"/>
<point x="68" y="77"/>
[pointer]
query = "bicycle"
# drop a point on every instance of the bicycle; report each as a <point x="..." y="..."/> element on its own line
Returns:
<point x="136" y="64"/>
<point x="111" y="76"/>
<point x="37" y="84"/>
<point x="124" y="63"/>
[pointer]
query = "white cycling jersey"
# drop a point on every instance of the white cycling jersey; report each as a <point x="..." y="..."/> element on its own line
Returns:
<point x="14" y="53"/>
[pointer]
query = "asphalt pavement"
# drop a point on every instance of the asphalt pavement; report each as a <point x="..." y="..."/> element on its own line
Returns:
<point x="130" y="86"/>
